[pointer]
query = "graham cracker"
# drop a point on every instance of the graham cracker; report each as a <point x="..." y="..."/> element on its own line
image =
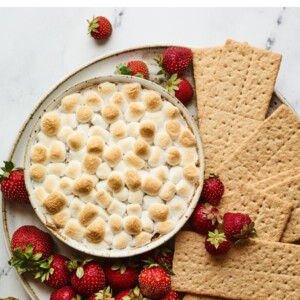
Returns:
<point x="272" y="148"/>
<point x="240" y="82"/>
<point x="258" y="270"/>
<point x="200" y="297"/>
<point x="278" y="178"/>
<point x="269" y="213"/>
<point x="289" y="190"/>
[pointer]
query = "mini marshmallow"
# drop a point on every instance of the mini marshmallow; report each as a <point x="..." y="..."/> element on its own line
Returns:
<point x="106" y="89"/>
<point x="74" y="230"/>
<point x="132" y="91"/>
<point x="77" y="140"/>
<point x="134" y="112"/>
<point x="141" y="148"/>
<point x="103" y="198"/>
<point x="157" y="157"/>
<point x="152" y="101"/>
<point x="37" y="172"/>
<point x="51" y="123"/>
<point x="111" y="113"/>
<point x="95" y="145"/>
<point x="99" y="131"/>
<point x="133" y="129"/>
<point x="39" y="153"/>
<point x="162" y="140"/>
<point x="57" y="151"/>
<point x="117" y="207"/>
<point x="65" y="185"/>
<point x="74" y="169"/>
<point x="51" y="183"/>
<point x="115" y="223"/>
<point x="103" y="171"/>
<point x="135" y="197"/>
<point x="93" y="100"/>
<point x="118" y="130"/>
<point x="112" y="155"/>
<point x="70" y="102"/>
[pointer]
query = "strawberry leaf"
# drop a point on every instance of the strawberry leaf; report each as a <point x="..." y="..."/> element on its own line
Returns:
<point x="140" y="75"/>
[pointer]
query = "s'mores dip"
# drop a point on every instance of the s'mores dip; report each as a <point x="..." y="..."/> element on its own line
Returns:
<point x="113" y="166"/>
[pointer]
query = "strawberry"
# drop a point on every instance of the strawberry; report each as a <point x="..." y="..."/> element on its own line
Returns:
<point x="238" y="227"/>
<point x="205" y="218"/>
<point x="124" y="295"/>
<point x="88" y="279"/>
<point x="154" y="282"/>
<point x="30" y="246"/>
<point x="133" y="294"/>
<point x="121" y="276"/>
<point x="180" y="88"/>
<point x="216" y="243"/>
<point x="213" y="190"/>
<point x="134" y="68"/>
<point x="13" y="184"/>
<point x="162" y="256"/>
<point x="54" y="271"/>
<point x="105" y="294"/>
<point x="172" y="295"/>
<point x="65" y="293"/>
<point x="176" y="59"/>
<point x="99" y="28"/>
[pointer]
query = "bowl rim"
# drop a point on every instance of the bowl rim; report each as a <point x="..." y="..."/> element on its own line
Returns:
<point x="127" y="252"/>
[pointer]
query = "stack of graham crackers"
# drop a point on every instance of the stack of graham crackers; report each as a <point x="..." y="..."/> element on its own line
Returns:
<point x="258" y="160"/>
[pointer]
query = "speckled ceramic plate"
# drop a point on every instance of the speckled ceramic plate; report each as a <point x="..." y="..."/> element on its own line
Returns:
<point x="15" y="216"/>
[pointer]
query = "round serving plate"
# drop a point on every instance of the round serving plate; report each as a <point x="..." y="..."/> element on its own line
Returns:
<point x="14" y="216"/>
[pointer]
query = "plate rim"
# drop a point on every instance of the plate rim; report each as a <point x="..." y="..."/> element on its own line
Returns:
<point x="31" y="293"/>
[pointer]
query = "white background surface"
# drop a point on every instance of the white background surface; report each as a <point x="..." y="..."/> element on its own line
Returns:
<point x="39" y="47"/>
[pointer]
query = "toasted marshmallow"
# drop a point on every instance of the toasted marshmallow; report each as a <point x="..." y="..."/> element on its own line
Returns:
<point x="134" y="210"/>
<point x="115" y="182"/>
<point x="111" y="113"/>
<point x="57" y="169"/>
<point x="118" y="130"/>
<point x="117" y="207"/>
<point x="69" y="120"/>
<point x="103" y="171"/>
<point x="112" y="155"/>
<point x="133" y="179"/>
<point x="188" y="156"/>
<point x="148" y="200"/>
<point x="93" y="100"/>
<point x="152" y="101"/>
<point x="95" y="145"/>
<point x="95" y="231"/>
<point x="186" y="138"/>
<point x="65" y="185"/>
<point x="76" y="207"/>
<point x="77" y="140"/>
<point x="40" y="194"/>
<point x="133" y="160"/>
<point x="118" y="100"/>
<point x="147" y="130"/>
<point x="162" y="140"/>
<point x="74" y="169"/>
<point x="88" y="214"/>
<point x="133" y="129"/>
<point x="170" y="111"/>
<point x="37" y="172"/>
<point x="151" y="185"/>
<point x="132" y="91"/>
<point x="51" y="123"/>
<point x="183" y="189"/>
<point x="103" y="198"/>
<point x="135" y="197"/>
<point x="83" y="186"/>
<point x="134" y="112"/>
<point x="51" y="183"/>
<point x="98" y="131"/>
<point x="57" y="151"/>
<point x="162" y="173"/>
<point x="126" y="144"/>
<point x="91" y="163"/>
<point x="121" y="240"/>
<point x="177" y="208"/>
<point x="64" y="133"/>
<point x="141" y="148"/>
<point x="191" y="173"/>
<point x="157" y="157"/>
<point x="121" y="195"/>
<point x="74" y="230"/>
<point x="55" y="202"/>
<point x="60" y="219"/>
<point x="115" y="222"/>
<point x="84" y="114"/>
<point x="132" y="225"/>
<point x="158" y="212"/>
<point x="39" y="153"/>
<point x="70" y="102"/>
<point x="167" y="191"/>
<point x="106" y="89"/>
<point x="175" y="174"/>
<point x="173" y="128"/>
<point x="142" y="239"/>
<point x="165" y="227"/>
<point x="147" y="223"/>
<point x="173" y="156"/>
<point x="97" y="120"/>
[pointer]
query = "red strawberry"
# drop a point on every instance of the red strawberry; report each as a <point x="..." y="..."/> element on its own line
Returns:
<point x="65" y="293"/>
<point x="238" y="227"/>
<point x="135" y="68"/>
<point x="12" y="184"/>
<point x="216" y="243"/>
<point x="213" y="190"/>
<point x="88" y="279"/>
<point x="172" y="295"/>
<point x="180" y="88"/>
<point x="164" y="257"/>
<point x="133" y="294"/>
<point x="121" y="276"/>
<point x="29" y="246"/>
<point x="205" y="218"/>
<point x="54" y="271"/>
<point x="176" y="59"/>
<point x="123" y="294"/>
<point x="100" y="28"/>
<point x="105" y="294"/>
<point x="154" y="282"/>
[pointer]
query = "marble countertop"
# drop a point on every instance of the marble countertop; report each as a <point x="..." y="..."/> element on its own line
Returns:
<point x="41" y="46"/>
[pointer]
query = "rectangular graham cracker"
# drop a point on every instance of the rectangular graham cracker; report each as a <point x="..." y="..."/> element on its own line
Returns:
<point x="289" y="190"/>
<point x="234" y="85"/>
<point x="271" y="149"/>
<point x="200" y="297"/>
<point x="269" y="213"/>
<point x="259" y="270"/>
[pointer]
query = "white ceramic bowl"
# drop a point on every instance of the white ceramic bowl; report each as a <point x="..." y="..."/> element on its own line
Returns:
<point x="155" y="242"/>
